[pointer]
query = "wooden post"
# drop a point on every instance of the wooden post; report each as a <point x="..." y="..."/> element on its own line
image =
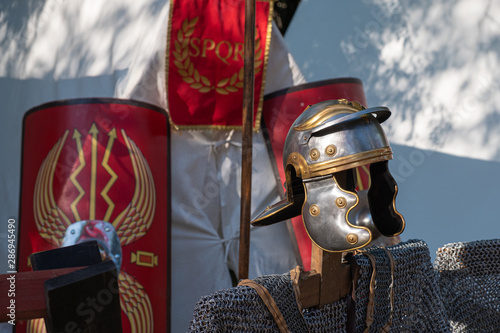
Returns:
<point x="335" y="279"/>
<point x="328" y="280"/>
<point x="246" y="148"/>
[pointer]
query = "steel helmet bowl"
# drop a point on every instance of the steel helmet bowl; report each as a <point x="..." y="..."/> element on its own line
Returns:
<point x="323" y="146"/>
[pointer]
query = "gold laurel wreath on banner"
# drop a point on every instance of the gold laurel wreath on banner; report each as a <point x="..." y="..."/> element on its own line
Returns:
<point x="192" y="76"/>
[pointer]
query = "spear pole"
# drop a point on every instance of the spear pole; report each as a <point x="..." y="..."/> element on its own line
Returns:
<point x="246" y="147"/>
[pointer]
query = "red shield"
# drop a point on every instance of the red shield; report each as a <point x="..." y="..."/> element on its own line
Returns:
<point x="103" y="159"/>
<point x="280" y="110"/>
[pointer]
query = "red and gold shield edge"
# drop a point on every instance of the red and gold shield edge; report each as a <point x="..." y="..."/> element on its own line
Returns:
<point x="204" y="57"/>
<point x="280" y="110"/>
<point x="103" y="159"/>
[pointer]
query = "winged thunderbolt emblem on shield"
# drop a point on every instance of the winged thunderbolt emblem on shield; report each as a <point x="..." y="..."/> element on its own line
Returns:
<point x="129" y="224"/>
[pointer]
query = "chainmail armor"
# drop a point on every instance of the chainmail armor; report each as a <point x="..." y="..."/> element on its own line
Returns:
<point x="469" y="278"/>
<point x="417" y="301"/>
<point x="240" y="309"/>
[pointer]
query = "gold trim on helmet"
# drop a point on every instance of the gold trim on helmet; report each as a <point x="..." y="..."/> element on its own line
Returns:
<point x="340" y="106"/>
<point x="396" y="211"/>
<point x="306" y="171"/>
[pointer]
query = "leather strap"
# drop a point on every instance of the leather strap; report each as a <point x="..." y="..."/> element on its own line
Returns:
<point x="371" y="299"/>
<point x="388" y="325"/>
<point x="269" y="302"/>
<point x="295" y="276"/>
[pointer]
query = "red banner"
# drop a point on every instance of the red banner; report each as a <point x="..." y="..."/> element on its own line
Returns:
<point x="101" y="160"/>
<point x="281" y="108"/>
<point x="205" y="62"/>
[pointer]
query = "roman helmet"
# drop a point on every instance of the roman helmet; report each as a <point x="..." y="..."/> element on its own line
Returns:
<point x="322" y="149"/>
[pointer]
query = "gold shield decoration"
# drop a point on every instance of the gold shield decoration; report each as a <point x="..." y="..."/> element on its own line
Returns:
<point x="103" y="160"/>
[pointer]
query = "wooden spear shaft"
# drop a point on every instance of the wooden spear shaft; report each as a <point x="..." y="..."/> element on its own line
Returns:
<point x="246" y="148"/>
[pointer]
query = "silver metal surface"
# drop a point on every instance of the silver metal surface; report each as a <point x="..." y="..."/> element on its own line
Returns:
<point x="353" y="135"/>
<point x="330" y="228"/>
<point x="379" y="113"/>
<point x="361" y="216"/>
<point x="327" y="138"/>
<point x="101" y="231"/>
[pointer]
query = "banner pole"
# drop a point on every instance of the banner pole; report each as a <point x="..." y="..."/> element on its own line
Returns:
<point x="246" y="148"/>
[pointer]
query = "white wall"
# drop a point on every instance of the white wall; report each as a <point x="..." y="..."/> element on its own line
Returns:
<point x="436" y="65"/>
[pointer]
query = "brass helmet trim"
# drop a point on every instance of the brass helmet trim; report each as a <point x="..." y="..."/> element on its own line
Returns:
<point x="358" y="138"/>
<point x="332" y="108"/>
<point x="380" y="113"/>
<point x="306" y="171"/>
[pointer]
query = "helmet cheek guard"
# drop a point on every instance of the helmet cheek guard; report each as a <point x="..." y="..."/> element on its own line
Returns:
<point x="323" y="147"/>
<point x="327" y="208"/>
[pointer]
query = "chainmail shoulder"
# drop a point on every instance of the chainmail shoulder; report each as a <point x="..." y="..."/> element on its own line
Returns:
<point x="469" y="277"/>
<point x="240" y="309"/>
<point x="417" y="305"/>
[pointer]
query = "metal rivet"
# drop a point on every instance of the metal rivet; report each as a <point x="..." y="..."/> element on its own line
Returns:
<point x="73" y="231"/>
<point x="314" y="210"/>
<point x="331" y="150"/>
<point x="294" y="157"/>
<point x="341" y="202"/>
<point x="107" y="229"/>
<point x="314" y="154"/>
<point x="117" y="256"/>
<point x="351" y="238"/>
